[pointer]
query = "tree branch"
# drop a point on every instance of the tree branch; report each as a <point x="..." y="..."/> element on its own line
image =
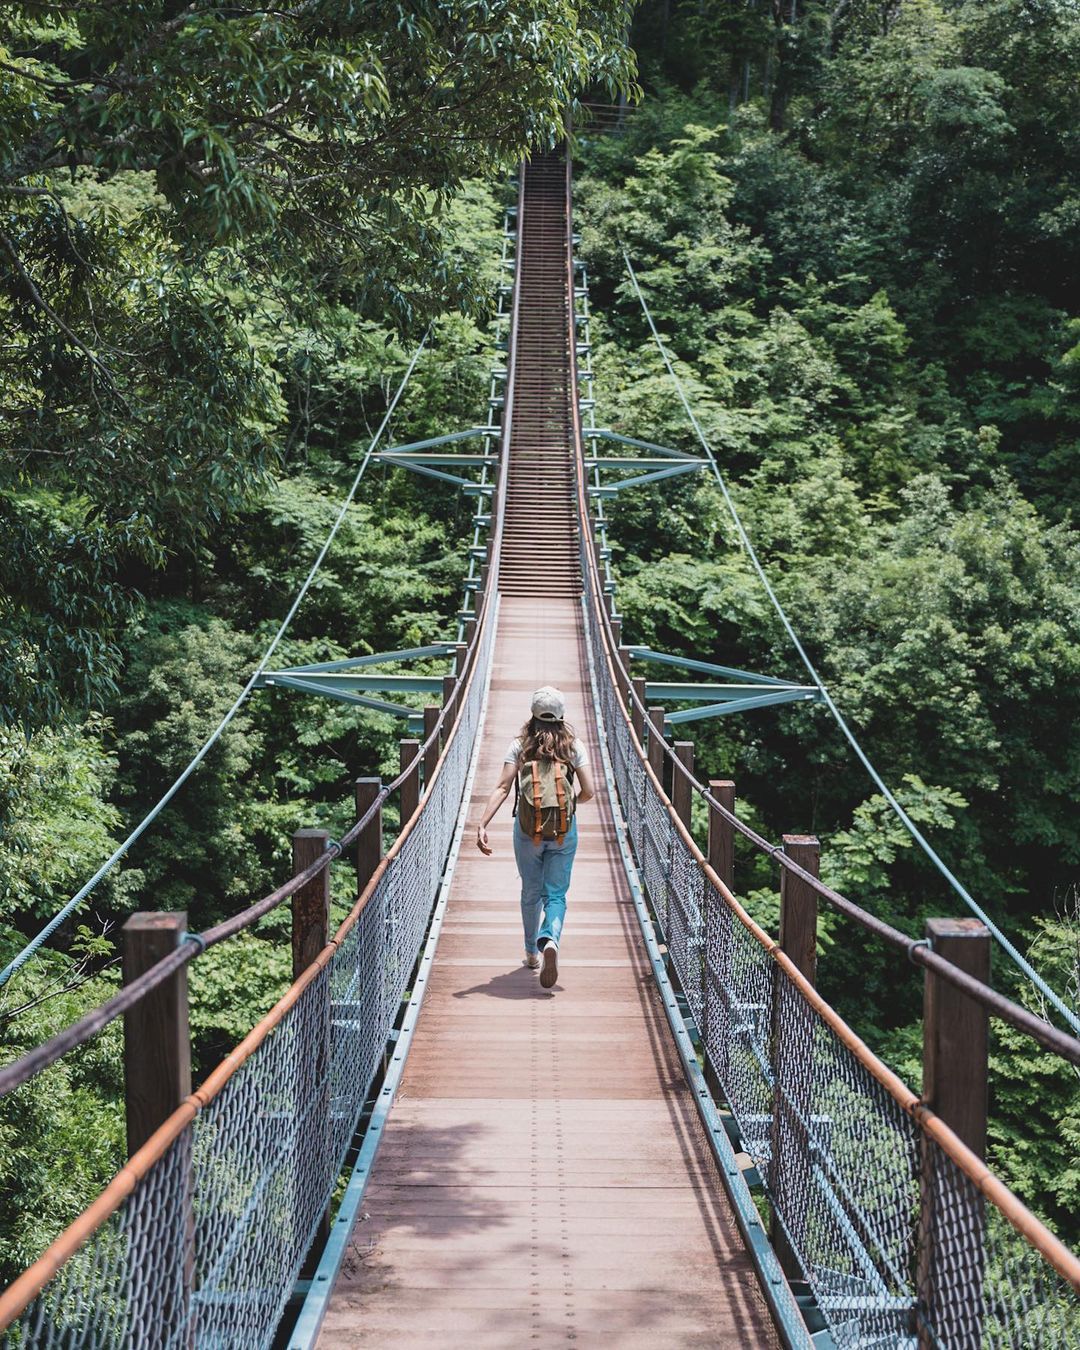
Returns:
<point x="43" y="305"/>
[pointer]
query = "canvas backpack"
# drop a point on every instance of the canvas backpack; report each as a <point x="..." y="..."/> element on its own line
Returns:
<point x="545" y="799"/>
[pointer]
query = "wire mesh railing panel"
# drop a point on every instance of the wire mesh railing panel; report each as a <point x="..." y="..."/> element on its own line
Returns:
<point x="261" y="1162"/>
<point x="737" y="1017"/>
<point x="130" y="1294"/>
<point x="654" y="843"/>
<point x="636" y="779"/>
<point x="685" y="920"/>
<point x="843" y="1176"/>
<point x="358" y="1015"/>
<point x="207" y="1249"/>
<point x="899" y="1246"/>
<point x="981" y="1283"/>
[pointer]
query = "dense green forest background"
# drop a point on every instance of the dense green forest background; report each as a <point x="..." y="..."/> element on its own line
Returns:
<point x="858" y="226"/>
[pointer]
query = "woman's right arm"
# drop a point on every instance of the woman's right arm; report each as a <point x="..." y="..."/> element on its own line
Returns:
<point x="499" y="794"/>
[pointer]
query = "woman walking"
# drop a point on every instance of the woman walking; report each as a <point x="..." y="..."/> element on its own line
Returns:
<point x="543" y="759"/>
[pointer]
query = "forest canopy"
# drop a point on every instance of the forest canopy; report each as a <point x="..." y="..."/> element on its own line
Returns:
<point x="223" y="231"/>
<point x="185" y="193"/>
<point x="856" y="227"/>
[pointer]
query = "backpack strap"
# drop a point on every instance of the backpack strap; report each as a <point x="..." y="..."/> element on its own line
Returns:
<point x="538" y="814"/>
<point x="560" y="793"/>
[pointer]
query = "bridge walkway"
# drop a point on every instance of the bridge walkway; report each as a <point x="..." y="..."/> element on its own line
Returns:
<point x="543" y="1179"/>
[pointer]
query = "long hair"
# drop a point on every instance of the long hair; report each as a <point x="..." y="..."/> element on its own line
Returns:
<point x="547" y="740"/>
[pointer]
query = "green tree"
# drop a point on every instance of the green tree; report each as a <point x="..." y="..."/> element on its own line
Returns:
<point x="174" y="185"/>
<point x="62" y="1134"/>
<point x="58" y="818"/>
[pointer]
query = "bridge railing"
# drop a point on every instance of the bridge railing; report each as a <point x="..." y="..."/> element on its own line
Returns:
<point x="901" y="1232"/>
<point x="201" y="1236"/>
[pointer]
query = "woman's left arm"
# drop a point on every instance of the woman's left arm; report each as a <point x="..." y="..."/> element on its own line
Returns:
<point x="586" y="791"/>
<point x="499" y="794"/>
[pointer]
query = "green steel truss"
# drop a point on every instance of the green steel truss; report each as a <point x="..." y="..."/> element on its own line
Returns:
<point x="339" y="680"/>
<point x="742" y="693"/>
<point x="417" y="457"/>
<point x="661" y="463"/>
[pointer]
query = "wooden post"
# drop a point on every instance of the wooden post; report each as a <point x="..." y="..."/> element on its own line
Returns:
<point x="616" y="632"/>
<point x="656" y="742"/>
<point x="470" y="629"/>
<point x="431" y="755"/>
<point x="449" y="684"/>
<point x="637" y="717"/>
<point x="681" y="793"/>
<point x="721" y="845"/>
<point x="956" y="1032"/>
<point x="362" y="1012"/>
<point x="622" y="677"/>
<point x="157" y="1079"/>
<point x="793" y="1050"/>
<point x="311" y="903"/>
<point x="798" y="904"/>
<point x="410" y="788"/>
<point x="310" y="934"/>
<point x="952" y="1218"/>
<point x="369" y="846"/>
<point x="157" y="1043"/>
<point x="461" y="656"/>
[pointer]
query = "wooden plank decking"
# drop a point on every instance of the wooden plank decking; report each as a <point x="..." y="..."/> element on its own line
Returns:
<point x="543" y="1179"/>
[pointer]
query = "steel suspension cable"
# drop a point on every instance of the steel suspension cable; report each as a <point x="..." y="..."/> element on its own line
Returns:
<point x="107" y="866"/>
<point x="1019" y="959"/>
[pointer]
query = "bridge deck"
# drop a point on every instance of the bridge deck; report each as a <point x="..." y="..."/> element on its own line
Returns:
<point x="543" y="1179"/>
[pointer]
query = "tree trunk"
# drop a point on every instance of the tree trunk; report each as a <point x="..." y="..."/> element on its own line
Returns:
<point x="780" y="54"/>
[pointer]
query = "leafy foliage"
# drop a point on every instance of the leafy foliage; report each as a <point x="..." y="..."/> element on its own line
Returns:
<point x="58" y="819"/>
<point x="62" y="1134"/>
<point x="220" y="234"/>
<point x="187" y="197"/>
<point x="825" y="216"/>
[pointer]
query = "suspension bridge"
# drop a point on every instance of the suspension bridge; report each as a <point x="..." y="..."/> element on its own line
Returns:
<point x="681" y="1144"/>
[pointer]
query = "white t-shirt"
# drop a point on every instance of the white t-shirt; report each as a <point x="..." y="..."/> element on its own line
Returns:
<point x="579" y="760"/>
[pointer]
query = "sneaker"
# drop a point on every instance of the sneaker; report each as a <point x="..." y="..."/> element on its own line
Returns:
<point x="549" y="973"/>
<point x="532" y="960"/>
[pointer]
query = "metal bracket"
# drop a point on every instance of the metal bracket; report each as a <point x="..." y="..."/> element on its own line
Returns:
<point x="335" y="680"/>
<point x="747" y="693"/>
<point x="413" y="456"/>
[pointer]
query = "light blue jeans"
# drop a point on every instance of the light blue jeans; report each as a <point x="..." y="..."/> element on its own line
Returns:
<point x="545" y="879"/>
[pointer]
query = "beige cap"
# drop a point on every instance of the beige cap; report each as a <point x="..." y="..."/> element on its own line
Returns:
<point x="548" y="704"/>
